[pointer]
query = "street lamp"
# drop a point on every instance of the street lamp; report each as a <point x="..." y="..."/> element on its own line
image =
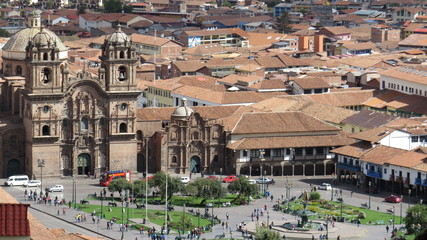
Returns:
<point x="102" y="204"/>
<point x="342" y="200"/>
<point x="409" y="198"/>
<point x="369" y="194"/>
<point x="74" y="192"/>
<point x="393" y="219"/>
<point x="332" y="192"/>
<point x="327" y="229"/>
<point x="288" y="186"/>
<point x="401" y="202"/>
<point x="123" y="211"/>
<point x="198" y="218"/>
<point x="41" y="166"/>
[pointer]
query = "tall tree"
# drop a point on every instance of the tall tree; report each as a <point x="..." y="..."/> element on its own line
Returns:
<point x="207" y="188"/>
<point x="243" y="187"/>
<point x="117" y="185"/>
<point x="415" y="219"/>
<point x="113" y="6"/>
<point x="283" y="23"/>
<point x="159" y="181"/>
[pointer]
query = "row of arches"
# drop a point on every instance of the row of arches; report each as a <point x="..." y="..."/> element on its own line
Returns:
<point x="298" y="169"/>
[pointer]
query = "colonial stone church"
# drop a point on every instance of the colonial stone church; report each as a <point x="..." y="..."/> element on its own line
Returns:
<point x="73" y="125"/>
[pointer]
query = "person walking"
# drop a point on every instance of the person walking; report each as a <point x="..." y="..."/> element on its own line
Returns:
<point x="387" y="228"/>
<point x="227" y="215"/>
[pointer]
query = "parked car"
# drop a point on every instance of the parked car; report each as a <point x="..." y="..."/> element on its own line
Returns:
<point x="252" y="181"/>
<point x="213" y="177"/>
<point x="230" y="179"/>
<point x="33" y="183"/>
<point x="393" y="199"/>
<point x="185" y="179"/>
<point x="16" y="180"/>
<point x="325" y="186"/>
<point x="56" y="188"/>
<point x="265" y="180"/>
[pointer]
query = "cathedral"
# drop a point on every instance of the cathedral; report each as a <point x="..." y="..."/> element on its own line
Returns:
<point x="60" y="124"/>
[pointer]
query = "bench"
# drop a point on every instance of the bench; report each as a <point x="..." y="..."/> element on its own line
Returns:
<point x="365" y="205"/>
<point x="112" y="204"/>
<point x="84" y="201"/>
<point x="221" y="236"/>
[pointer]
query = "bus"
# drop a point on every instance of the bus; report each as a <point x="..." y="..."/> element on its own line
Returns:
<point x="107" y="177"/>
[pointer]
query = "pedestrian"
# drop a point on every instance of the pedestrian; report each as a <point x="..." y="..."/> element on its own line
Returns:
<point x="227" y="215"/>
<point x="387" y="228"/>
<point x="141" y="230"/>
<point x="339" y="237"/>
<point x="63" y="211"/>
<point x="271" y="197"/>
<point x="58" y="212"/>
<point x="351" y="194"/>
<point x="341" y="192"/>
<point x="312" y="237"/>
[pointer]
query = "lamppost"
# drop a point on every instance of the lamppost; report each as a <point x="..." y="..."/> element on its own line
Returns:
<point x="146" y="180"/>
<point x="393" y="218"/>
<point x="75" y="192"/>
<point x="288" y="186"/>
<point x="183" y="220"/>
<point x="213" y="204"/>
<point x="409" y="198"/>
<point x="102" y="204"/>
<point x="401" y="202"/>
<point x="41" y="166"/>
<point x="127" y="207"/>
<point x="369" y="194"/>
<point x="327" y="229"/>
<point x="342" y="200"/>
<point x="198" y="218"/>
<point x="123" y="211"/>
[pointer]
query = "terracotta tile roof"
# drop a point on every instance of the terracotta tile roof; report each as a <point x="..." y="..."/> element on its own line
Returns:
<point x="205" y="49"/>
<point x="405" y="122"/>
<point x="270" y="62"/>
<point x="13" y="220"/>
<point x="291" y="61"/>
<point x="381" y="154"/>
<point x="410" y="104"/>
<point x="311" y="83"/>
<point x="237" y="20"/>
<point x="414" y="40"/>
<point x="189" y="66"/>
<point x="359" y="46"/>
<point x="110" y="17"/>
<point x="355" y="150"/>
<point x="373" y="135"/>
<point x="282" y="122"/>
<point x="259" y="39"/>
<point x="150" y="40"/>
<point x="380" y="100"/>
<point x="221" y="31"/>
<point x="368" y="119"/>
<point x="340" y="30"/>
<point x="332" y="140"/>
<point x="342" y="99"/>
<point x="320" y="111"/>
<point x="415" y="75"/>
<point x="413" y="26"/>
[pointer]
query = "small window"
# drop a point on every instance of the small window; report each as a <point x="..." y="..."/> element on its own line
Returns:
<point x="18" y="70"/>
<point x="122" y="74"/>
<point x="84" y="124"/>
<point x="414" y="139"/>
<point x="174" y="159"/>
<point x="46" y="109"/>
<point x="45" y="56"/>
<point x="123" y="128"/>
<point x="298" y="151"/>
<point x="245" y="153"/>
<point x="385" y="170"/>
<point x="45" y="130"/>
<point x="123" y="106"/>
<point x="122" y="54"/>
<point x="215" y="158"/>
<point x="45" y="76"/>
<point x="309" y="151"/>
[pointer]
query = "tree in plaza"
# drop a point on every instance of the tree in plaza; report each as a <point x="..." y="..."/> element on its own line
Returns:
<point x="159" y="181"/>
<point x="127" y="8"/>
<point x="139" y="188"/>
<point x="49" y="4"/>
<point x="243" y="187"/>
<point x="415" y="219"/>
<point x="117" y="185"/>
<point x="113" y="6"/>
<point x="207" y="188"/>
<point x="283" y="23"/>
<point x="264" y="233"/>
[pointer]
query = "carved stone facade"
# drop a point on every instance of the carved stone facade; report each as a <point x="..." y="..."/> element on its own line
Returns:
<point x="78" y="125"/>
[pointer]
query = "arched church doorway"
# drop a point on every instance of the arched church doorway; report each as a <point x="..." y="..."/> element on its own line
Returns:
<point x="195" y="164"/>
<point x="13" y="167"/>
<point x="83" y="164"/>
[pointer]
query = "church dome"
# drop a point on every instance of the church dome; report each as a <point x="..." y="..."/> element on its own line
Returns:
<point x="14" y="49"/>
<point x="42" y="39"/>
<point x="183" y="111"/>
<point x="118" y="37"/>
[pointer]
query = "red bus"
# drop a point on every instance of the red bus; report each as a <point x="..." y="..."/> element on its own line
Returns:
<point x="107" y="177"/>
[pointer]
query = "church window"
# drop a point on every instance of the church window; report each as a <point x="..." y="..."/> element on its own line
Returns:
<point x="12" y="142"/>
<point x="18" y="70"/>
<point x="139" y="135"/>
<point x="65" y="123"/>
<point x="195" y="136"/>
<point x="45" y="76"/>
<point x="102" y="121"/>
<point x="123" y="106"/>
<point x="84" y="124"/>
<point x="46" y="108"/>
<point x="174" y="159"/>
<point x="122" y="54"/>
<point x="45" y="130"/>
<point x="123" y="128"/>
<point x="122" y="74"/>
<point x="215" y="158"/>
<point x="45" y="56"/>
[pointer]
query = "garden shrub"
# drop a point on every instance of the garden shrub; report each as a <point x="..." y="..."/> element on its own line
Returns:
<point x="314" y="196"/>
<point x="361" y="215"/>
<point x="323" y="201"/>
<point x="329" y="206"/>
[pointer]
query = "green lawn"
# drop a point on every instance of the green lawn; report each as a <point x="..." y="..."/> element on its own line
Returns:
<point x="348" y="211"/>
<point x="155" y="216"/>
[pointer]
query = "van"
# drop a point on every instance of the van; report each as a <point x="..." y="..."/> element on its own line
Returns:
<point x="16" y="180"/>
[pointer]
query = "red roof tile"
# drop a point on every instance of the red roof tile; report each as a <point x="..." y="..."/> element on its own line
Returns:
<point x="14" y="220"/>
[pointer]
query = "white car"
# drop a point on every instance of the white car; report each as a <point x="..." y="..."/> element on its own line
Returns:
<point x="252" y="181"/>
<point x="33" y="183"/>
<point x="325" y="186"/>
<point x="56" y="188"/>
<point x="185" y="179"/>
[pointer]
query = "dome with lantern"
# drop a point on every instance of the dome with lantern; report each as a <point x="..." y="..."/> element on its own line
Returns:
<point x="183" y="111"/>
<point x="118" y="37"/>
<point x="14" y="49"/>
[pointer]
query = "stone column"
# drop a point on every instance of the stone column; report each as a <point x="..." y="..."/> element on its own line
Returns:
<point x="314" y="169"/>
<point x="303" y="169"/>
